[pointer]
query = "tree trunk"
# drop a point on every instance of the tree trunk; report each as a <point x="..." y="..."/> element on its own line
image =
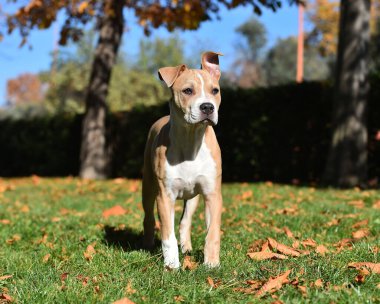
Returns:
<point x="93" y="156"/>
<point x="347" y="159"/>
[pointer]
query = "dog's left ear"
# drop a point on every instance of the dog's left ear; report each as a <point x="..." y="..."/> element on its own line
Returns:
<point x="210" y="63"/>
<point x="170" y="74"/>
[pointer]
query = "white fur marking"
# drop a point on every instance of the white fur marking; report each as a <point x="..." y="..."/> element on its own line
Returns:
<point x="190" y="178"/>
<point x="170" y="247"/>
<point x="203" y="94"/>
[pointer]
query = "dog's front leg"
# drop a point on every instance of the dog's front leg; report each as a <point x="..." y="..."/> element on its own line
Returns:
<point x="213" y="215"/>
<point x="165" y="206"/>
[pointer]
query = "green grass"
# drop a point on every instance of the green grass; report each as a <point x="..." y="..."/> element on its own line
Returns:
<point x="61" y="217"/>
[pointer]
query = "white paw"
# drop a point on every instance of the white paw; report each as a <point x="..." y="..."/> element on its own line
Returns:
<point x="170" y="253"/>
<point x="212" y="264"/>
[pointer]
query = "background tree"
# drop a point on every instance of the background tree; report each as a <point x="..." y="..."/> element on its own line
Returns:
<point x="248" y="67"/>
<point x="281" y="63"/>
<point x="347" y="160"/>
<point x="109" y="14"/>
<point x="24" y="89"/>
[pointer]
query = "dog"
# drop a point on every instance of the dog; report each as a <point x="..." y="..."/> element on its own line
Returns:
<point x="182" y="160"/>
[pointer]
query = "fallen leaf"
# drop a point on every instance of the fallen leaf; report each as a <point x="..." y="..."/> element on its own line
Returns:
<point x="321" y="249"/>
<point x="357" y="204"/>
<point x="24" y="209"/>
<point x="114" y="211"/>
<point x="318" y="283"/>
<point x="2" y="278"/>
<point x="256" y="245"/>
<point x="274" y="245"/>
<point x="373" y="267"/>
<point x="212" y="283"/>
<point x="5" y="222"/>
<point x="178" y="298"/>
<point x="46" y="258"/>
<point x="124" y="301"/>
<point x="274" y="284"/>
<point x="129" y="289"/>
<point x="333" y="222"/>
<point x="188" y="263"/>
<point x="310" y="243"/>
<point x="266" y="255"/>
<point x="361" y="233"/>
<point x="360" y="279"/>
<point x="376" y="205"/>
<point x="89" y="253"/>
<point x="288" y="233"/>
<point x="302" y="289"/>
<point x="64" y="276"/>
<point x="6" y="298"/>
<point x="360" y="224"/>
<point x="15" y="238"/>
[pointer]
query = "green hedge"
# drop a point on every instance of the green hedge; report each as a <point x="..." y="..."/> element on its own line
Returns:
<point x="279" y="133"/>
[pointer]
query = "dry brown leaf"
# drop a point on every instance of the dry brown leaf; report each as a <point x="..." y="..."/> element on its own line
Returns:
<point x="15" y="238"/>
<point x="256" y="245"/>
<point x="286" y="211"/>
<point x="361" y="233"/>
<point x="309" y="242"/>
<point x="2" y="278"/>
<point x="321" y="249"/>
<point x="360" y="224"/>
<point x="357" y="204"/>
<point x="296" y="244"/>
<point x="5" y="222"/>
<point x="266" y="255"/>
<point x="333" y="222"/>
<point x="124" y="301"/>
<point x="178" y="298"/>
<point x="188" y="263"/>
<point x="274" y="245"/>
<point x="302" y="289"/>
<point x="274" y="284"/>
<point x="46" y="258"/>
<point x="89" y="253"/>
<point x="373" y="267"/>
<point x="288" y="233"/>
<point x="360" y="279"/>
<point x="318" y="283"/>
<point x="129" y="289"/>
<point x="6" y="298"/>
<point x="114" y="211"/>
<point x="212" y="283"/>
<point x="376" y="205"/>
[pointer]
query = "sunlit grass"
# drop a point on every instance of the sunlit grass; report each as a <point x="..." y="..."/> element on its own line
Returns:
<point x="46" y="226"/>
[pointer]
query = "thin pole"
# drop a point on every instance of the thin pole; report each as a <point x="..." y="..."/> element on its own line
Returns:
<point x="299" y="77"/>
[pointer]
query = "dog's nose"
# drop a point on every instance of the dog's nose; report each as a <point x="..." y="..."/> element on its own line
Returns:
<point x="207" y="108"/>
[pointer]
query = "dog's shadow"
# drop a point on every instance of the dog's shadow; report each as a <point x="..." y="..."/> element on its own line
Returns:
<point x="129" y="240"/>
<point x="126" y="239"/>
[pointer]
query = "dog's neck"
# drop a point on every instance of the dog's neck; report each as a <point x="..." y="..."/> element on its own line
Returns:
<point x="185" y="139"/>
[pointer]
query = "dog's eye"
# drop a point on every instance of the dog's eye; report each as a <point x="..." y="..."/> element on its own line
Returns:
<point x="188" y="91"/>
<point x="215" y="91"/>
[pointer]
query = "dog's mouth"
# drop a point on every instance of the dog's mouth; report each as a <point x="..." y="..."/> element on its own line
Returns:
<point x="208" y="121"/>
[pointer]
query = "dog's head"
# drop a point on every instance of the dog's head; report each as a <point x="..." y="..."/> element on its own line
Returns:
<point x="196" y="93"/>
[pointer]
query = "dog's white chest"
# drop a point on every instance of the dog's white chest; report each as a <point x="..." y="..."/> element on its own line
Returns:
<point x="189" y="178"/>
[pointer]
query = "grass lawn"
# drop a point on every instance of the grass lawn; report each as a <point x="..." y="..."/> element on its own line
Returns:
<point x="60" y="243"/>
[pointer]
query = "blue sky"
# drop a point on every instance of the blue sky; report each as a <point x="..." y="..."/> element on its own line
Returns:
<point x="217" y="35"/>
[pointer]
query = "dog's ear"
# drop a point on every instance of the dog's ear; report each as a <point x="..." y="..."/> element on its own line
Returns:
<point x="210" y="63"/>
<point x="170" y="74"/>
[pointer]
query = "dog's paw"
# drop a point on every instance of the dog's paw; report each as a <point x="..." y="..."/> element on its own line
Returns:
<point x="212" y="263"/>
<point x="186" y="247"/>
<point x="172" y="265"/>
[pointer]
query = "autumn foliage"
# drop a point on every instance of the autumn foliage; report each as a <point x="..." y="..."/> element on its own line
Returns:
<point x="24" y="89"/>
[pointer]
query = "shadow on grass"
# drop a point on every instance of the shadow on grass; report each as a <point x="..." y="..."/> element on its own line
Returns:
<point x="126" y="239"/>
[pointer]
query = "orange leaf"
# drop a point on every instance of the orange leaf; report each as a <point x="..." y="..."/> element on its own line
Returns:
<point x="114" y="211"/>
<point x="288" y="233"/>
<point x="361" y="233"/>
<point x="333" y="222"/>
<point x="282" y="248"/>
<point x="357" y="204"/>
<point x="5" y="222"/>
<point x="5" y="277"/>
<point x="321" y="249"/>
<point x="360" y="224"/>
<point x="188" y="263"/>
<point x="274" y="284"/>
<point x="376" y="205"/>
<point x="373" y="267"/>
<point x="124" y="301"/>
<point x="6" y="298"/>
<point x="89" y="253"/>
<point x="266" y="255"/>
<point x="46" y="258"/>
<point x="318" y="283"/>
<point x="309" y="242"/>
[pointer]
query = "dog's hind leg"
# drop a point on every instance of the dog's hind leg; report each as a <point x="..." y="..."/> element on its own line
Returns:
<point x="185" y="225"/>
<point x="149" y="194"/>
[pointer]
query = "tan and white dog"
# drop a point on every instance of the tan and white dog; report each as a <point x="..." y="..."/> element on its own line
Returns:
<point x="182" y="161"/>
